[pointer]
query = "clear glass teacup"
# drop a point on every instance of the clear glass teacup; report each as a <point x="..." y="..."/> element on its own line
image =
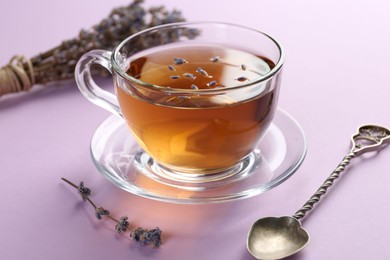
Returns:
<point x="198" y="96"/>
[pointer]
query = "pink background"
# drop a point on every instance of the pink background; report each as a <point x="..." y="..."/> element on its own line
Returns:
<point x="336" y="77"/>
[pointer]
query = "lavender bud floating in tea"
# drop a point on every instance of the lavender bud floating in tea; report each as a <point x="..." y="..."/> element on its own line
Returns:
<point x="58" y="64"/>
<point x="193" y="86"/>
<point x="189" y="76"/>
<point x="179" y="61"/>
<point x="215" y="59"/>
<point x="142" y="236"/>
<point x="202" y="72"/>
<point x="212" y="83"/>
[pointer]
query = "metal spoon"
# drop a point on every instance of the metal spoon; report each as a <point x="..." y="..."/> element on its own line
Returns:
<point x="276" y="238"/>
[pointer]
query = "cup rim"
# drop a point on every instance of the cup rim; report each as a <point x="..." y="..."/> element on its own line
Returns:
<point x="117" y="68"/>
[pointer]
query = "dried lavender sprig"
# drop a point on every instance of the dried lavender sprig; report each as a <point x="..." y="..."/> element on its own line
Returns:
<point x="142" y="236"/>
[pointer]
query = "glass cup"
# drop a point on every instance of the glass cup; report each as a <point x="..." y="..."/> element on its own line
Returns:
<point x="197" y="97"/>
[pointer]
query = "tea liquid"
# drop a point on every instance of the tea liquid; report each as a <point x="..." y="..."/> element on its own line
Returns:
<point x="197" y="131"/>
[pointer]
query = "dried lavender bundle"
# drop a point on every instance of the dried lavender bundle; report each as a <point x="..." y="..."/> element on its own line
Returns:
<point x="59" y="63"/>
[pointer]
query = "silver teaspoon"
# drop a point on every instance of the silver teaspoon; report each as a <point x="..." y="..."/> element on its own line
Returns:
<point x="279" y="237"/>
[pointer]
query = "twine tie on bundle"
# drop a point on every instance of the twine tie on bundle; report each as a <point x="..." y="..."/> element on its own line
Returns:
<point x="16" y="76"/>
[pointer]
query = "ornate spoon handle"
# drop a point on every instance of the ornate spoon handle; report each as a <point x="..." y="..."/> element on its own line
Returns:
<point x="368" y="138"/>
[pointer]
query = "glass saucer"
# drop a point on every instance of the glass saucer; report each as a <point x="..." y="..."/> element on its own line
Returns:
<point x="116" y="155"/>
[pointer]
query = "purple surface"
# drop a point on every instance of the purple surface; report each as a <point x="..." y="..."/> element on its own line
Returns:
<point x="335" y="78"/>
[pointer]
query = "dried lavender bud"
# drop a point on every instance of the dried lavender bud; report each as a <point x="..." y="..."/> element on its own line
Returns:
<point x="84" y="191"/>
<point x="202" y="72"/>
<point x="137" y="234"/>
<point x="189" y="76"/>
<point x="99" y="212"/>
<point x="243" y="66"/>
<point x="179" y="61"/>
<point x="122" y="225"/>
<point x="242" y="79"/>
<point x="215" y="59"/>
<point x="190" y="33"/>
<point x="175" y="77"/>
<point x="171" y="68"/>
<point x="175" y="15"/>
<point x="153" y="236"/>
<point x="193" y="86"/>
<point x="212" y="83"/>
<point x="145" y="237"/>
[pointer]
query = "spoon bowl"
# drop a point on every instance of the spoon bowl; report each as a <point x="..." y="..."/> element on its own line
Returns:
<point x="276" y="238"/>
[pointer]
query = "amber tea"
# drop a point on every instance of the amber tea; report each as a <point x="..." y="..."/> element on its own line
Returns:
<point x="195" y="127"/>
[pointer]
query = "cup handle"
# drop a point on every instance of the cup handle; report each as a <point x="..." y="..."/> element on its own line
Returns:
<point x="88" y="86"/>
